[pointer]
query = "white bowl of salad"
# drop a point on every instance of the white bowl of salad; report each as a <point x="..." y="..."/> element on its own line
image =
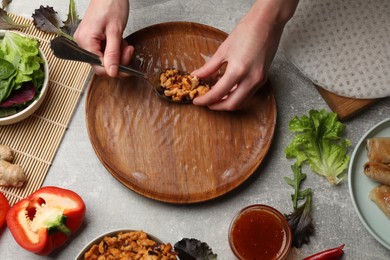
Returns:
<point x="24" y="76"/>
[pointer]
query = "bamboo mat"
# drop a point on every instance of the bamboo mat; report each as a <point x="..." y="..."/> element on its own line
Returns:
<point x="36" y="139"/>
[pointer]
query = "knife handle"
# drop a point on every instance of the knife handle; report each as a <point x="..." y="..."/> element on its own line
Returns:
<point x="67" y="49"/>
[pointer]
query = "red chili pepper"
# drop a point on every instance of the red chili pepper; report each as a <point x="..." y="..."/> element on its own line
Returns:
<point x="44" y="220"/>
<point x="329" y="254"/>
<point x="4" y="207"/>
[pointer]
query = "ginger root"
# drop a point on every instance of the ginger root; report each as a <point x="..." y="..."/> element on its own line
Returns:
<point x="6" y="153"/>
<point x="10" y="174"/>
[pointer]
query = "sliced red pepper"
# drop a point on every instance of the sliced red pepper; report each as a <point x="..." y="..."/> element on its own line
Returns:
<point x="4" y="207"/>
<point x="329" y="254"/>
<point x="44" y="220"/>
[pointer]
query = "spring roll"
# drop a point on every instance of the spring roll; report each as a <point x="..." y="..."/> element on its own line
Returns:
<point x="379" y="172"/>
<point x="378" y="149"/>
<point x="381" y="196"/>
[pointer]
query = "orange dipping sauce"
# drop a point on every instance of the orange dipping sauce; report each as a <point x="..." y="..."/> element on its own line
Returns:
<point x="260" y="232"/>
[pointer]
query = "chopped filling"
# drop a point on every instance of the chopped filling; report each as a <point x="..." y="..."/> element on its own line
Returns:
<point x="130" y="245"/>
<point x="180" y="86"/>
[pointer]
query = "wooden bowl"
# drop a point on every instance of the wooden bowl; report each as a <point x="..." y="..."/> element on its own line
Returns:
<point x="172" y="152"/>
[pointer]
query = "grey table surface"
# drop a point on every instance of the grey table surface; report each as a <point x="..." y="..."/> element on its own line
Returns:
<point x="110" y="205"/>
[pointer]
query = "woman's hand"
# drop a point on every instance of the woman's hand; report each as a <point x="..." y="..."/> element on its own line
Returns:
<point x="248" y="51"/>
<point x="101" y="32"/>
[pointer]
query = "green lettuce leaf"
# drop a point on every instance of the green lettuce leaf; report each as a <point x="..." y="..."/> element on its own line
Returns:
<point x="6" y="69"/>
<point x="23" y="53"/>
<point x="6" y="87"/>
<point x="7" y="111"/>
<point x="318" y="141"/>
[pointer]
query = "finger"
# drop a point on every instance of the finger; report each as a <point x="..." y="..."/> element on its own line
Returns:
<point x="222" y="88"/>
<point x="209" y="68"/>
<point x="99" y="70"/>
<point x="112" y="55"/>
<point x="238" y="98"/>
<point x="127" y="53"/>
<point x="93" y="45"/>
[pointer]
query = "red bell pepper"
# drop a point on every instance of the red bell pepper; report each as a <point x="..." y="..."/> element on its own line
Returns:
<point x="4" y="207"/>
<point x="44" y="220"/>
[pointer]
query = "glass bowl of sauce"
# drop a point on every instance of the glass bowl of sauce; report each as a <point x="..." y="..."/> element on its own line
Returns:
<point x="260" y="232"/>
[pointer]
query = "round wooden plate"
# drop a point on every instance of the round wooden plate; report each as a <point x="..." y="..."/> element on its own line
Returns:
<point x="170" y="152"/>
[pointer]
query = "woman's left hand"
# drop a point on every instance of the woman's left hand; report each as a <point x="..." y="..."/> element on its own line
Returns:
<point x="248" y="51"/>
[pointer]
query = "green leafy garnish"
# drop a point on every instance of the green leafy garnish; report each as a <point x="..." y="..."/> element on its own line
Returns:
<point x="6" y="69"/>
<point x="301" y="224"/>
<point x="45" y="19"/>
<point x="73" y="21"/>
<point x="318" y="141"/>
<point x="7" y="23"/>
<point x="300" y="220"/>
<point x="21" y="55"/>
<point x="7" y="111"/>
<point x="193" y="249"/>
<point x="299" y="177"/>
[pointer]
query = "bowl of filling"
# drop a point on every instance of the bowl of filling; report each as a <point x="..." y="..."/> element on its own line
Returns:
<point x="127" y="244"/>
<point x="24" y="76"/>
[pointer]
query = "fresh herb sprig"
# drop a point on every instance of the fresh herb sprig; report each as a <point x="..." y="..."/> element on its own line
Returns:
<point x="300" y="220"/>
<point x="7" y="23"/>
<point x="194" y="249"/>
<point x="45" y="19"/>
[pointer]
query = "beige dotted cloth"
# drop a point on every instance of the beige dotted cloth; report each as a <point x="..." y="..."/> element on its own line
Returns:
<point x="342" y="45"/>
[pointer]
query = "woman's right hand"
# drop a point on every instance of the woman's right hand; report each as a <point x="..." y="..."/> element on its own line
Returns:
<point x="101" y="32"/>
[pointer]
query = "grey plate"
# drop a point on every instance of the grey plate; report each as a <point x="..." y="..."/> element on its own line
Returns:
<point x="375" y="221"/>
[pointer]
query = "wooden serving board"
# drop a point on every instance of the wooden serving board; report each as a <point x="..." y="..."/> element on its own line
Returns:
<point x="167" y="151"/>
<point x="176" y="153"/>
<point x="345" y="107"/>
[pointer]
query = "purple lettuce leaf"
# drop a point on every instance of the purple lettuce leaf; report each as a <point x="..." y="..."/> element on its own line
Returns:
<point x="18" y="97"/>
